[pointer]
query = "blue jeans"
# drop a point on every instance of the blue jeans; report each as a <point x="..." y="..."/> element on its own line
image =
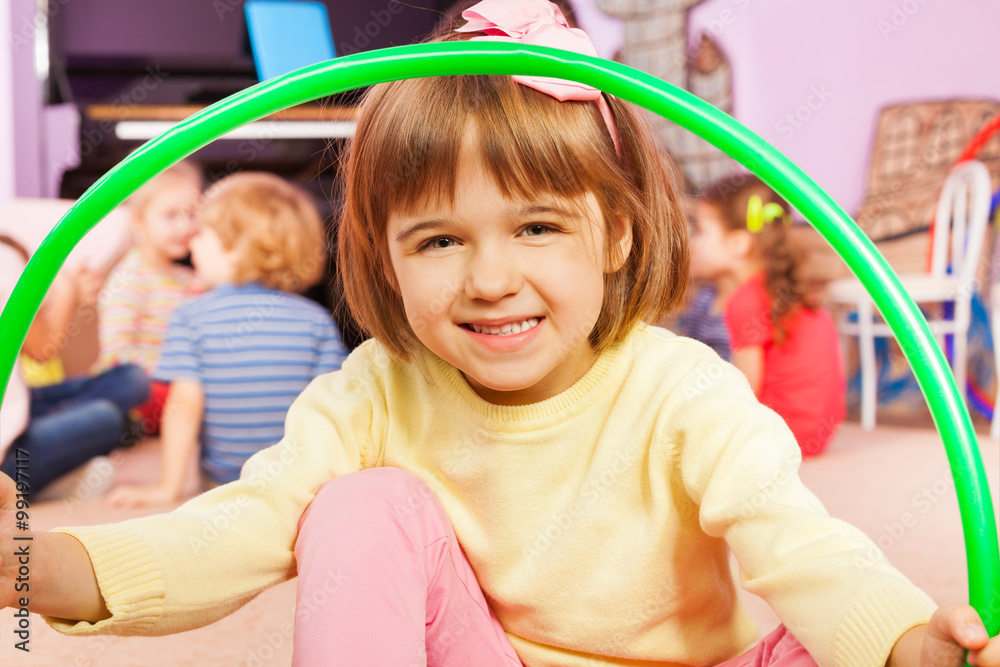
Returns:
<point x="74" y="421"/>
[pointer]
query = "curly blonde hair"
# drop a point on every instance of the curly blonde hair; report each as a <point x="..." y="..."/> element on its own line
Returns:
<point x="274" y="225"/>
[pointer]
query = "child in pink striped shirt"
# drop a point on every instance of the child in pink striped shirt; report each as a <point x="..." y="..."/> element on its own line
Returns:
<point x="147" y="286"/>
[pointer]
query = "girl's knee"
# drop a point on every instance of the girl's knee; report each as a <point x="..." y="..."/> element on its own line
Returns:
<point x="374" y="485"/>
<point x="373" y="492"/>
<point x="370" y="509"/>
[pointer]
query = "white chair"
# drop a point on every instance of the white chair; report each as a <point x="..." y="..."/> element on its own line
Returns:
<point x="963" y="209"/>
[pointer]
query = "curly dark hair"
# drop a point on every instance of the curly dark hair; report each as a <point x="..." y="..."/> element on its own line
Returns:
<point x="773" y="245"/>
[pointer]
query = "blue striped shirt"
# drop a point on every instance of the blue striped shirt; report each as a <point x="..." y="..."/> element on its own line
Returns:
<point x="253" y="350"/>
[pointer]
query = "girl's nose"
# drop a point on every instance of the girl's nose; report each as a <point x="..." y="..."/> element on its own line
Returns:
<point x="491" y="275"/>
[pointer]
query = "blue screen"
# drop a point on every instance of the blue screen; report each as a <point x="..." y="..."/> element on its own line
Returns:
<point x="287" y="34"/>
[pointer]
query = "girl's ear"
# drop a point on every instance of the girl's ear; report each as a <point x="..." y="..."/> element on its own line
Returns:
<point x="621" y="247"/>
<point x="388" y="272"/>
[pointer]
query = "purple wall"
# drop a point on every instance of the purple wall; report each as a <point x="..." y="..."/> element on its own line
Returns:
<point x="861" y="55"/>
<point x="6" y="116"/>
<point x="26" y="101"/>
<point x="846" y="59"/>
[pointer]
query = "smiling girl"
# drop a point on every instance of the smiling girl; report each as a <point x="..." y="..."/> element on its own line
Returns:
<point x="515" y="469"/>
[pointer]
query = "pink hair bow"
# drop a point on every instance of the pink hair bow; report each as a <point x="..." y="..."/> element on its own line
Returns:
<point x="539" y="23"/>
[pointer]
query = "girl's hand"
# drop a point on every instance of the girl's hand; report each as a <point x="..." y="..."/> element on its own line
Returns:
<point x="943" y="642"/>
<point x="89" y="284"/>
<point x="140" y="496"/>
<point x="49" y="574"/>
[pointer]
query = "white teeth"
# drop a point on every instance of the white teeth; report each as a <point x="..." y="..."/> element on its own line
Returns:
<point x="506" y="329"/>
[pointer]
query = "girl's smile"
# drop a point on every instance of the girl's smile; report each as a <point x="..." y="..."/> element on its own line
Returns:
<point x="505" y="335"/>
<point x="505" y="290"/>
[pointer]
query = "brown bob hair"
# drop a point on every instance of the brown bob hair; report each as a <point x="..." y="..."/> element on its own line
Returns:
<point x="405" y="151"/>
<point x="274" y="225"/>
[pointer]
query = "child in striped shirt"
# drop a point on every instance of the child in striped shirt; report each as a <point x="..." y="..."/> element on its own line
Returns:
<point x="238" y="355"/>
<point x="149" y="284"/>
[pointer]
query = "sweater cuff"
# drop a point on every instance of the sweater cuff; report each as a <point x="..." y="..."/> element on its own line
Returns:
<point x="874" y="626"/>
<point x="129" y="578"/>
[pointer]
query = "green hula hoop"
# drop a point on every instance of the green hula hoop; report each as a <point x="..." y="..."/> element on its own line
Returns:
<point x="460" y="58"/>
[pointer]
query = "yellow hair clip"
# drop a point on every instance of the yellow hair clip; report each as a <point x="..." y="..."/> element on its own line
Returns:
<point x="759" y="213"/>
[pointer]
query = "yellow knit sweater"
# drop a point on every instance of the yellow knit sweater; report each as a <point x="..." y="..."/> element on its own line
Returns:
<point x="599" y="522"/>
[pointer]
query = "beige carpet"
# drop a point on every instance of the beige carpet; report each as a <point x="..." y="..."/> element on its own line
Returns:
<point x="894" y="483"/>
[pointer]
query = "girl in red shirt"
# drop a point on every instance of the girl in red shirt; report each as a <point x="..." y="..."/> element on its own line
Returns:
<point x="782" y="340"/>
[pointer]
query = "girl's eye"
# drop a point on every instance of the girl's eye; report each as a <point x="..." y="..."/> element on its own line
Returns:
<point x="537" y="230"/>
<point x="438" y="243"/>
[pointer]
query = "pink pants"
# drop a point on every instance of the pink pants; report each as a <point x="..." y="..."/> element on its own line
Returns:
<point x="383" y="581"/>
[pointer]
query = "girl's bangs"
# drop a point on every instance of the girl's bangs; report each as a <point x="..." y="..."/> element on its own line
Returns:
<point x="551" y="153"/>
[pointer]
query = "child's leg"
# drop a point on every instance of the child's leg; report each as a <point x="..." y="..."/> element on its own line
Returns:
<point x="778" y="648"/>
<point x="383" y="580"/>
<point x="126" y="386"/>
